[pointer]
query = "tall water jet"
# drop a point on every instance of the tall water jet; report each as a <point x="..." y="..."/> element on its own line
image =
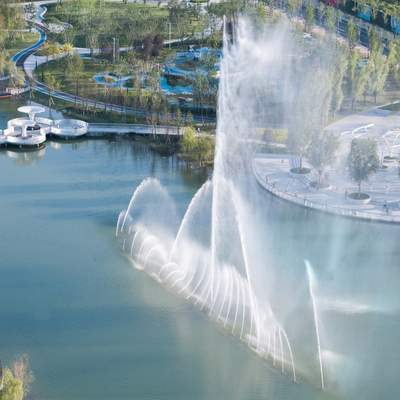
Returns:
<point x="310" y="281"/>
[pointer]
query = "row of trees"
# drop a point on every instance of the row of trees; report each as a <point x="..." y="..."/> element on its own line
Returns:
<point x="97" y="21"/>
<point x="362" y="162"/>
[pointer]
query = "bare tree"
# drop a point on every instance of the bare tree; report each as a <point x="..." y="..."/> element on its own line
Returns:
<point x="20" y="369"/>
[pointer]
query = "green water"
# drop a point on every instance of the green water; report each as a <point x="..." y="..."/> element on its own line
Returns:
<point x="96" y="328"/>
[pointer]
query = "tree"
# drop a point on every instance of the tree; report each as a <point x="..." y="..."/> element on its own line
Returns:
<point x="16" y="77"/>
<point x="205" y="147"/>
<point x="322" y="151"/>
<point x="66" y="48"/>
<point x="182" y="25"/>
<point x="31" y="84"/>
<point x="339" y="16"/>
<point x="393" y="59"/>
<point x="188" y="143"/>
<point x="363" y="161"/>
<point x="321" y="11"/>
<point x="30" y="12"/>
<point x="158" y="44"/>
<point x="178" y="119"/>
<point x="340" y="64"/>
<point x="46" y="50"/>
<point x="310" y="15"/>
<point x="69" y="35"/>
<point x="330" y="20"/>
<point x="148" y="46"/>
<point x="373" y="40"/>
<point x="92" y="40"/>
<point x="75" y="69"/>
<point x="352" y="34"/>
<point x="377" y="68"/>
<point x="12" y="389"/>
<point x="356" y="78"/>
<point x="294" y="7"/>
<point x="52" y="85"/>
<point x="119" y="68"/>
<point x="22" y="373"/>
<point x="306" y="110"/>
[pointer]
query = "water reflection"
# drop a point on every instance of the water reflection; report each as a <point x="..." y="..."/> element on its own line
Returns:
<point x="25" y="157"/>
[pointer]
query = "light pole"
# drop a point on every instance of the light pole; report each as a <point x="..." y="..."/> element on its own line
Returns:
<point x="169" y="23"/>
<point x="113" y="50"/>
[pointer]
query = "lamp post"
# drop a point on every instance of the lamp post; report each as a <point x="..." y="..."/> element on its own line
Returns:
<point x="169" y="23"/>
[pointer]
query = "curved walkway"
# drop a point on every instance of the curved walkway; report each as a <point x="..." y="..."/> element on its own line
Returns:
<point x="272" y="173"/>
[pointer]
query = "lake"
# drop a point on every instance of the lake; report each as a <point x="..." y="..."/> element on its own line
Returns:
<point x="96" y="328"/>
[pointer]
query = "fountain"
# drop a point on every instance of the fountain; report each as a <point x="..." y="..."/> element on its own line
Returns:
<point x="212" y="259"/>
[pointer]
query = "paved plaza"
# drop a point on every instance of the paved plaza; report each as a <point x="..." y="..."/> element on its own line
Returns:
<point x="272" y="172"/>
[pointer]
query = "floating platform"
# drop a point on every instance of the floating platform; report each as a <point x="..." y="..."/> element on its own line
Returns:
<point x="31" y="132"/>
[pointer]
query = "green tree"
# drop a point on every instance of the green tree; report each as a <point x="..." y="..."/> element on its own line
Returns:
<point x="393" y="60"/>
<point x="352" y="34"/>
<point x="12" y="389"/>
<point x="330" y="20"/>
<point x="377" y="68"/>
<point x="363" y="161"/>
<point x="310" y="15"/>
<point x="322" y="151"/>
<point x="205" y="147"/>
<point x="46" y="50"/>
<point x="294" y="7"/>
<point x="306" y="110"/>
<point x="74" y="72"/>
<point x="188" y="143"/>
<point x="357" y="78"/>
<point x="52" y="85"/>
<point x="321" y="11"/>
<point x="31" y="84"/>
<point x="373" y="39"/>
<point x="339" y="68"/>
<point x="92" y="40"/>
<point x="339" y="16"/>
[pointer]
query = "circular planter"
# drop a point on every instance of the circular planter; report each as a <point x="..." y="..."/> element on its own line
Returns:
<point x="353" y="198"/>
<point x="299" y="173"/>
<point x="389" y="159"/>
<point x="322" y="188"/>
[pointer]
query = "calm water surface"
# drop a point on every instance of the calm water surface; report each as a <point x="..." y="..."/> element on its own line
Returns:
<point x="96" y="328"/>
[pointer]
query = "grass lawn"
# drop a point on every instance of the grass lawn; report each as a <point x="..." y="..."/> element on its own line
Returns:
<point x="27" y="39"/>
<point x="54" y="67"/>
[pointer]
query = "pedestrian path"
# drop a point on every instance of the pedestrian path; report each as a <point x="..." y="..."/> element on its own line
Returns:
<point x="272" y="172"/>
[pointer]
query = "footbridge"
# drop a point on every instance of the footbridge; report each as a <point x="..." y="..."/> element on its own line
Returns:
<point x="139" y="129"/>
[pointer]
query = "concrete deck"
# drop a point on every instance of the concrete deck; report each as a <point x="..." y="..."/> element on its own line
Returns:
<point x="272" y="172"/>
